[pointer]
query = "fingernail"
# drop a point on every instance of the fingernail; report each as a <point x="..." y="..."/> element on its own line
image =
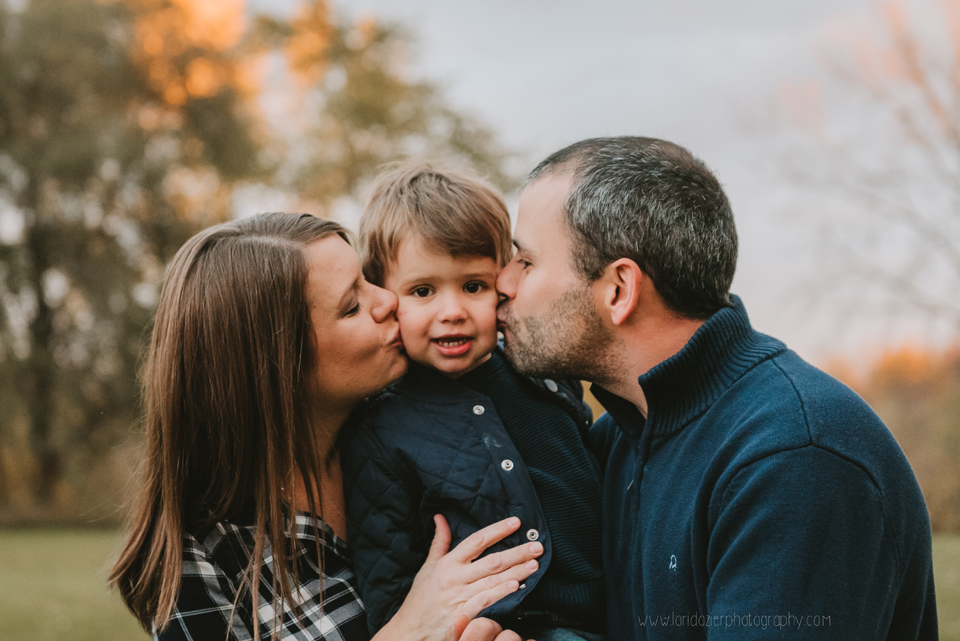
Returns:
<point x="513" y="521"/>
<point x="532" y="565"/>
<point x="536" y="548"/>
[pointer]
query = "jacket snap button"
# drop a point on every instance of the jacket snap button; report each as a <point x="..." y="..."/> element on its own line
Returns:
<point x="478" y="409"/>
<point x="506" y="464"/>
<point x="532" y="534"/>
<point x="551" y="385"/>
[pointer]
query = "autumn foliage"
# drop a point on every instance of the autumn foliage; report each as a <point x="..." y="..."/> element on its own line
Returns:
<point x="126" y="126"/>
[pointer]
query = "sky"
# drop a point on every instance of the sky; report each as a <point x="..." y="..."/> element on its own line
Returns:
<point x="702" y="73"/>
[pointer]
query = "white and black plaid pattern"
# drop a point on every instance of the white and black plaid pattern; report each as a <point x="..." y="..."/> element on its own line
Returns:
<point x="213" y="564"/>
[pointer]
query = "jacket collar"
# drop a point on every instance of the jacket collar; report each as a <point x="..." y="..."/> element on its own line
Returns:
<point x="425" y="383"/>
<point x="681" y="388"/>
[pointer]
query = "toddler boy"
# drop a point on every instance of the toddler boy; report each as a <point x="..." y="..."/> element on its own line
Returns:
<point x="462" y="434"/>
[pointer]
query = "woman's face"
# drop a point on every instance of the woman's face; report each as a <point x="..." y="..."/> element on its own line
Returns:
<point x="355" y="326"/>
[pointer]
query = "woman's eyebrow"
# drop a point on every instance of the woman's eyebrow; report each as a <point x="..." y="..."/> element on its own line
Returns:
<point x="345" y="297"/>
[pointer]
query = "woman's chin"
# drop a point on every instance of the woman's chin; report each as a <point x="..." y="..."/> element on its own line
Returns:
<point x="396" y="370"/>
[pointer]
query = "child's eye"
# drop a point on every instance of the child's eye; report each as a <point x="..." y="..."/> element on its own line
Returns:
<point x="474" y="287"/>
<point x="352" y="311"/>
<point x="523" y="263"/>
<point x="421" y="292"/>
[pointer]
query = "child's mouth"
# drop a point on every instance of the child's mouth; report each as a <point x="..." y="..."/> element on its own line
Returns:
<point x="453" y="345"/>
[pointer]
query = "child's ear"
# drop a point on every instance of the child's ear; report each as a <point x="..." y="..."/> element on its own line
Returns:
<point x="623" y="281"/>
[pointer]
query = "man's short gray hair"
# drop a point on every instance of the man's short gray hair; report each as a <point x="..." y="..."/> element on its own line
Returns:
<point x="655" y="203"/>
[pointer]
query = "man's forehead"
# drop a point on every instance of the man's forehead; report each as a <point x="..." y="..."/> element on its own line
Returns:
<point x="541" y="207"/>
<point x="553" y="185"/>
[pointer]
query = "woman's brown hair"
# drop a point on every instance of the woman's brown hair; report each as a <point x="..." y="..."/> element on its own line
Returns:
<point x="228" y="420"/>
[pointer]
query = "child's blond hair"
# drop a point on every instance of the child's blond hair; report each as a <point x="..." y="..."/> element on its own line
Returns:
<point x="453" y="211"/>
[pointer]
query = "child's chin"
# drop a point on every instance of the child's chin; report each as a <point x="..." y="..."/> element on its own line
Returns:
<point x="455" y="367"/>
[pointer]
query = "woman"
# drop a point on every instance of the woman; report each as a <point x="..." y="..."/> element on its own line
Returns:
<point x="266" y="337"/>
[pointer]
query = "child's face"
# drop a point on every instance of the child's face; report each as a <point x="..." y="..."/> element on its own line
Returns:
<point x="448" y="306"/>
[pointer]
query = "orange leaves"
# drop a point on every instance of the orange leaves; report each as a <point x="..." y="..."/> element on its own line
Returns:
<point x="306" y="50"/>
<point x="202" y="79"/>
<point x="213" y="24"/>
<point x="173" y="26"/>
<point x="901" y="367"/>
<point x="185" y="45"/>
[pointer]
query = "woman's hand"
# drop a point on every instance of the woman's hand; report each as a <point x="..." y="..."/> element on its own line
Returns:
<point x="451" y="588"/>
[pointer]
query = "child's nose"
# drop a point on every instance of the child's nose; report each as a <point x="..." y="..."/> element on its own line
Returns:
<point x="452" y="309"/>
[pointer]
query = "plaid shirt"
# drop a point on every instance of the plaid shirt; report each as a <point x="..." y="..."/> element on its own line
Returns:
<point x="213" y="564"/>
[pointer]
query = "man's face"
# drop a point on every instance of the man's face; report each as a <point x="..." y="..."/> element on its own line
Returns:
<point x="549" y="318"/>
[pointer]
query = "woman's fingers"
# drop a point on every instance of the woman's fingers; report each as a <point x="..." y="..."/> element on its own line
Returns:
<point x="494" y="564"/>
<point x="484" y="599"/>
<point x="516" y="573"/>
<point x="474" y="545"/>
<point x="441" y="539"/>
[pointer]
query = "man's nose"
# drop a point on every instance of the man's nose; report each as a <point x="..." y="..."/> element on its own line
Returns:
<point x="507" y="280"/>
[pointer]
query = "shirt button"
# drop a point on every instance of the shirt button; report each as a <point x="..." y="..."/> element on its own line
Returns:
<point x="506" y="464"/>
<point x="532" y="535"/>
<point x="551" y="385"/>
<point x="478" y="409"/>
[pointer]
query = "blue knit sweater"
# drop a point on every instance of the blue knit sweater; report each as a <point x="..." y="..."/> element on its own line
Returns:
<point x="760" y="498"/>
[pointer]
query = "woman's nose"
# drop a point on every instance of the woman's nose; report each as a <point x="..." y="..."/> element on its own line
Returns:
<point x="385" y="304"/>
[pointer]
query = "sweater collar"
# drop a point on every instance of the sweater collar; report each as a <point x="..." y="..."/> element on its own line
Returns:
<point x="683" y="387"/>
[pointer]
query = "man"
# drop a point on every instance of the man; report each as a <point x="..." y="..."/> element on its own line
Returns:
<point x="746" y="493"/>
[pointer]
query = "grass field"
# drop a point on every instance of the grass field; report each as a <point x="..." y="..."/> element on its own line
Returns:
<point x="946" y="573"/>
<point x="52" y="586"/>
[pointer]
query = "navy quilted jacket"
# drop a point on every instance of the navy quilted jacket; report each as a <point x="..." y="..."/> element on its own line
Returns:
<point x="430" y="445"/>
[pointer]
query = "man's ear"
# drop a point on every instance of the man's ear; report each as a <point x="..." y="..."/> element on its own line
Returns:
<point x="623" y="280"/>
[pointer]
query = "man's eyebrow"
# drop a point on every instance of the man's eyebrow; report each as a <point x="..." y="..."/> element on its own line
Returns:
<point x="520" y="247"/>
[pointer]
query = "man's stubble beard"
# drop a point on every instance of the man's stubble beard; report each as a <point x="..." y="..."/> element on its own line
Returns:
<point x="570" y="341"/>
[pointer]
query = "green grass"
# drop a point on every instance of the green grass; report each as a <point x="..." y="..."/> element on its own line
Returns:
<point x="53" y="586"/>
<point x="946" y="573"/>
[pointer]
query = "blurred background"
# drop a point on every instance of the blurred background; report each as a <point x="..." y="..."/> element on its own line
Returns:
<point x="127" y="125"/>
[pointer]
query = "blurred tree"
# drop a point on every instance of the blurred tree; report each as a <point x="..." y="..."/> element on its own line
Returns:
<point x="113" y="148"/>
<point x="126" y="125"/>
<point x="355" y="107"/>
<point x="882" y="170"/>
